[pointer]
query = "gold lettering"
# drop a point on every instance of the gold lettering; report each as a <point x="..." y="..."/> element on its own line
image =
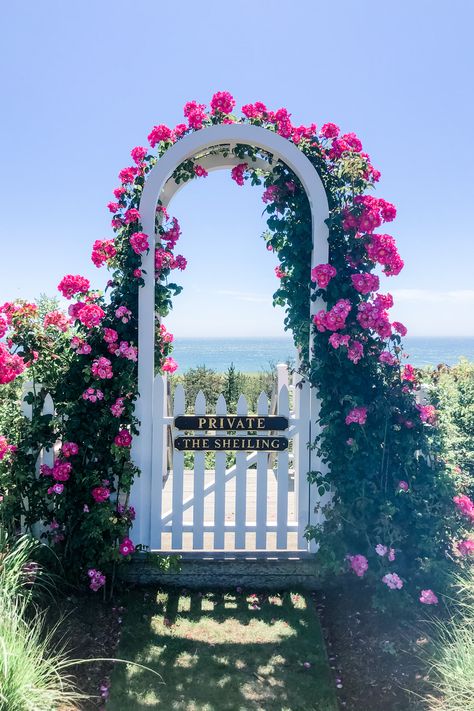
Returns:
<point x="275" y="444"/>
<point x="230" y="423"/>
<point x="240" y="425"/>
<point x="202" y="422"/>
<point x="226" y="444"/>
<point x="196" y="443"/>
<point x="218" y="443"/>
<point x="261" y="423"/>
<point x="212" y="423"/>
<point x="250" y="423"/>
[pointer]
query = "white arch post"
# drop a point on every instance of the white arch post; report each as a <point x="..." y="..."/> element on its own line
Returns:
<point x="159" y="184"/>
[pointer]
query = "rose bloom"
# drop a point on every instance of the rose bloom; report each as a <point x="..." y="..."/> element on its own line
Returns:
<point x="100" y="494"/>
<point x="169" y="365"/>
<point x="427" y="597"/>
<point x="126" y="547"/>
<point x="359" y="564"/>
<point x="70" y="285"/>
<point x="123" y="438"/>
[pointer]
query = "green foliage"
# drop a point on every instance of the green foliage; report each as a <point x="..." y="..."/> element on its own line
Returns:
<point x="232" y="388"/>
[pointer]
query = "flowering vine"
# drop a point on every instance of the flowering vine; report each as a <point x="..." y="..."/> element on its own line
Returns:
<point x="374" y="436"/>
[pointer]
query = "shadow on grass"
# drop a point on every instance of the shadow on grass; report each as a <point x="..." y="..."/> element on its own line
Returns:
<point x="222" y="652"/>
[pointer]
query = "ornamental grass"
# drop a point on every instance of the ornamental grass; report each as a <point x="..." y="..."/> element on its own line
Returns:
<point x="33" y="670"/>
<point x="452" y="666"/>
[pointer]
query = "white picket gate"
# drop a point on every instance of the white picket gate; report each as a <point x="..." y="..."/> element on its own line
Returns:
<point x="248" y="507"/>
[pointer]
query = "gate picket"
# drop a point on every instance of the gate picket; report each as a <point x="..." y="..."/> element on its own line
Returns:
<point x="240" y="485"/>
<point x="198" y="490"/>
<point x="219" y="491"/>
<point x="159" y="454"/>
<point x="282" y="478"/>
<point x="262" y="484"/>
<point x="178" y="474"/>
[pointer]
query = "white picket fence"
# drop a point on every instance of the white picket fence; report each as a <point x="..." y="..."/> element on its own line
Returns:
<point x="249" y="506"/>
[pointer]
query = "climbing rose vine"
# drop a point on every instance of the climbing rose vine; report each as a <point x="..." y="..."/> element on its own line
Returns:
<point x="373" y="439"/>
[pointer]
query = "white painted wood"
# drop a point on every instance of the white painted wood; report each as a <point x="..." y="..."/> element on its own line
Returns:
<point x="158" y="180"/>
<point x="282" y="477"/>
<point x="262" y="484"/>
<point x="160" y="402"/>
<point x="240" y="485"/>
<point x="302" y="459"/>
<point x="199" y="468"/>
<point x="282" y="375"/>
<point x="178" y="472"/>
<point x="220" y="481"/>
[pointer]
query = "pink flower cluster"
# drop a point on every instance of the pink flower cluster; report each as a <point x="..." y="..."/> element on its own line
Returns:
<point x="5" y="448"/>
<point x="465" y="506"/>
<point x="322" y="274"/>
<point x="169" y="365"/>
<point x="383" y="551"/>
<point x="97" y="579"/>
<point x="123" y="438"/>
<point x="93" y="394"/>
<point x="131" y="215"/>
<point x="117" y="407"/>
<point x="71" y="285"/>
<point x="200" y="172"/>
<point x="126" y="547"/>
<point x="139" y="242"/>
<point x="359" y="564"/>
<point x="427" y="597"/>
<point x="123" y="314"/>
<point x="372" y="315"/>
<point x="60" y="471"/>
<point x="279" y="272"/>
<point x="335" y="318"/>
<point x="90" y="315"/>
<point x="427" y="413"/>
<point x="11" y="365"/>
<point x="365" y="283"/>
<point x="196" y="114"/>
<point x="271" y="194"/>
<point x="124" y="350"/>
<point x="392" y="581"/>
<point x="222" y="102"/>
<point x="388" y="358"/>
<point x="69" y="449"/>
<point x="138" y="154"/>
<point x="102" y="251"/>
<point x="358" y="415"/>
<point x="382" y="249"/>
<point x="100" y="494"/>
<point x="56" y="319"/>
<point x="373" y="212"/>
<point x="102" y="368"/>
<point x="80" y="346"/>
<point x="408" y="373"/>
<point x="158" y="134"/>
<point x="237" y="173"/>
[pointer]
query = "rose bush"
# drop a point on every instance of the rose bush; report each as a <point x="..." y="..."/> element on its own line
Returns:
<point x="388" y="492"/>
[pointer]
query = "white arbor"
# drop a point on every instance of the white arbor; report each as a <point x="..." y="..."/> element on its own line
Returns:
<point x="210" y="144"/>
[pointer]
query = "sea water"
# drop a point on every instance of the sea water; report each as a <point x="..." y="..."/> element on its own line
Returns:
<point x="251" y="355"/>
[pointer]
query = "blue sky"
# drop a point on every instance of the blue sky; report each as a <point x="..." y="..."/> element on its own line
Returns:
<point x="84" y="82"/>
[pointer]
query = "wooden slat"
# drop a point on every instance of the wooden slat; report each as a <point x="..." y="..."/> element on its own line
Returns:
<point x="178" y="471"/>
<point x="262" y="484"/>
<point x="158" y="458"/>
<point x="302" y="463"/>
<point x="198" y="491"/>
<point x="240" y="485"/>
<point x="282" y="477"/>
<point x="219" y="480"/>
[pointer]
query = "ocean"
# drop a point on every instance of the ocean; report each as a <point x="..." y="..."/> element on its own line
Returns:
<point x="250" y="355"/>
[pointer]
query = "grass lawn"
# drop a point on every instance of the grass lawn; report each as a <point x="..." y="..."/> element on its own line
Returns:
<point x="222" y="652"/>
